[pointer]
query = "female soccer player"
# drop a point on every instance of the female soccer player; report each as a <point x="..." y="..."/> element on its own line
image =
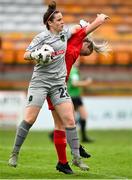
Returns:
<point x="77" y="45"/>
<point x="49" y="79"/>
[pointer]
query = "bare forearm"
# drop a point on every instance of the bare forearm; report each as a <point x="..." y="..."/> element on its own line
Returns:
<point x="100" y="19"/>
<point x="93" y="26"/>
<point x="80" y="84"/>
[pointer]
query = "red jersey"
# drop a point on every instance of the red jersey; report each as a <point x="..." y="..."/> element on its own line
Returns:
<point x="74" y="46"/>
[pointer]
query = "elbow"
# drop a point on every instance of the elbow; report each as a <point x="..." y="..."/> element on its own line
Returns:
<point x="25" y="56"/>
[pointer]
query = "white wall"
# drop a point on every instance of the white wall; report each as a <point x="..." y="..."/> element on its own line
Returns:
<point x="44" y="120"/>
<point x="11" y="107"/>
<point x="109" y="112"/>
<point x="104" y="112"/>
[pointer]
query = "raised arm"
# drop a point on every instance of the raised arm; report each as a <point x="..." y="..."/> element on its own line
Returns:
<point x="100" y="19"/>
<point x="90" y="27"/>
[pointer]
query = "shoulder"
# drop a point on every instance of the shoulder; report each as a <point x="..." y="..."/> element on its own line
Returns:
<point x="81" y="32"/>
<point x="43" y="35"/>
<point x="67" y="31"/>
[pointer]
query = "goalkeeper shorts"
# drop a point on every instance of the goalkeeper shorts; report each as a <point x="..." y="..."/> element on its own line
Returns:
<point x="39" y="90"/>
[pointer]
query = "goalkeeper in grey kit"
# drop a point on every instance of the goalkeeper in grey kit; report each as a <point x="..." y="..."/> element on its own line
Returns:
<point x="48" y="79"/>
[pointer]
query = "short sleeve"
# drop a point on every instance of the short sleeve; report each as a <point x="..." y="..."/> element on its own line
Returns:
<point x="68" y="31"/>
<point x="37" y="41"/>
<point x="34" y="43"/>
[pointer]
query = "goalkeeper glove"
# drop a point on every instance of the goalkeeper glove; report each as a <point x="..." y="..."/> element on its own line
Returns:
<point x="41" y="57"/>
<point x="36" y="54"/>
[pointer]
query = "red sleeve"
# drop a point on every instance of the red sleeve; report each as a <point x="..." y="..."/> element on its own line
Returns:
<point x="74" y="46"/>
<point x="77" y="37"/>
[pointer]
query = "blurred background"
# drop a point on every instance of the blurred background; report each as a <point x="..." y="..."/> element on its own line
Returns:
<point x="109" y="98"/>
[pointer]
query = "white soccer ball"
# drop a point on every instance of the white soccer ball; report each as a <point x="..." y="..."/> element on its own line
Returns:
<point x="46" y="55"/>
<point x="47" y="47"/>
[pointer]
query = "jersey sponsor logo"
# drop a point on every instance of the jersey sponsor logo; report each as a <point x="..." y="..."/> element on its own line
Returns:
<point x="62" y="37"/>
<point x="56" y="53"/>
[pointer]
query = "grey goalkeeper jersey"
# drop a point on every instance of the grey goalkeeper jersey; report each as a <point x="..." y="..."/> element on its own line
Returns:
<point x="56" y="69"/>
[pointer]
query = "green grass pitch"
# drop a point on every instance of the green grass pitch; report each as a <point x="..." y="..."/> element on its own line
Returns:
<point x="111" y="157"/>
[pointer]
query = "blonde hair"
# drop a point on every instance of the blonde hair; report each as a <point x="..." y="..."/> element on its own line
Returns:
<point x="103" y="48"/>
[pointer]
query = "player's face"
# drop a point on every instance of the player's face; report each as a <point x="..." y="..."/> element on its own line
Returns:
<point x="58" y="23"/>
<point x="86" y="49"/>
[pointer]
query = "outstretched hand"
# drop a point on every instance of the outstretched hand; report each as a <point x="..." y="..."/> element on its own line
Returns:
<point x="102" y="18"/>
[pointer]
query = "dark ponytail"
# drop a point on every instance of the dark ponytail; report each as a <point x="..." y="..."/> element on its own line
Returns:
<point x="49" y="15"/>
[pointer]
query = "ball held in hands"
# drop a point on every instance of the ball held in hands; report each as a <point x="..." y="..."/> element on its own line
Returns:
<point x="43" y="56"/>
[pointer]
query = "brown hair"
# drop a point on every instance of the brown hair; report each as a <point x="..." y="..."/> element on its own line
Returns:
<point x="91" y="46"/>
<point x="49" y="15"/>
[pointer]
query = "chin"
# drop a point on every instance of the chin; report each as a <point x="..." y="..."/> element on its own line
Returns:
<point x="61" y="28"/>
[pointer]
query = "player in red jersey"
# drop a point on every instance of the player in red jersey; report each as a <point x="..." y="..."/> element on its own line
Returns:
<point x="77" y="45"/>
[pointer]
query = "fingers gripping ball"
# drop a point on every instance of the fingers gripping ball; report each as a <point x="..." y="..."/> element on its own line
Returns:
<point x="44" y="56"/>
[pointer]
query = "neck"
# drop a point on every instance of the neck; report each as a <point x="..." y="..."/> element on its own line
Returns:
<point x="54" y="31"/>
